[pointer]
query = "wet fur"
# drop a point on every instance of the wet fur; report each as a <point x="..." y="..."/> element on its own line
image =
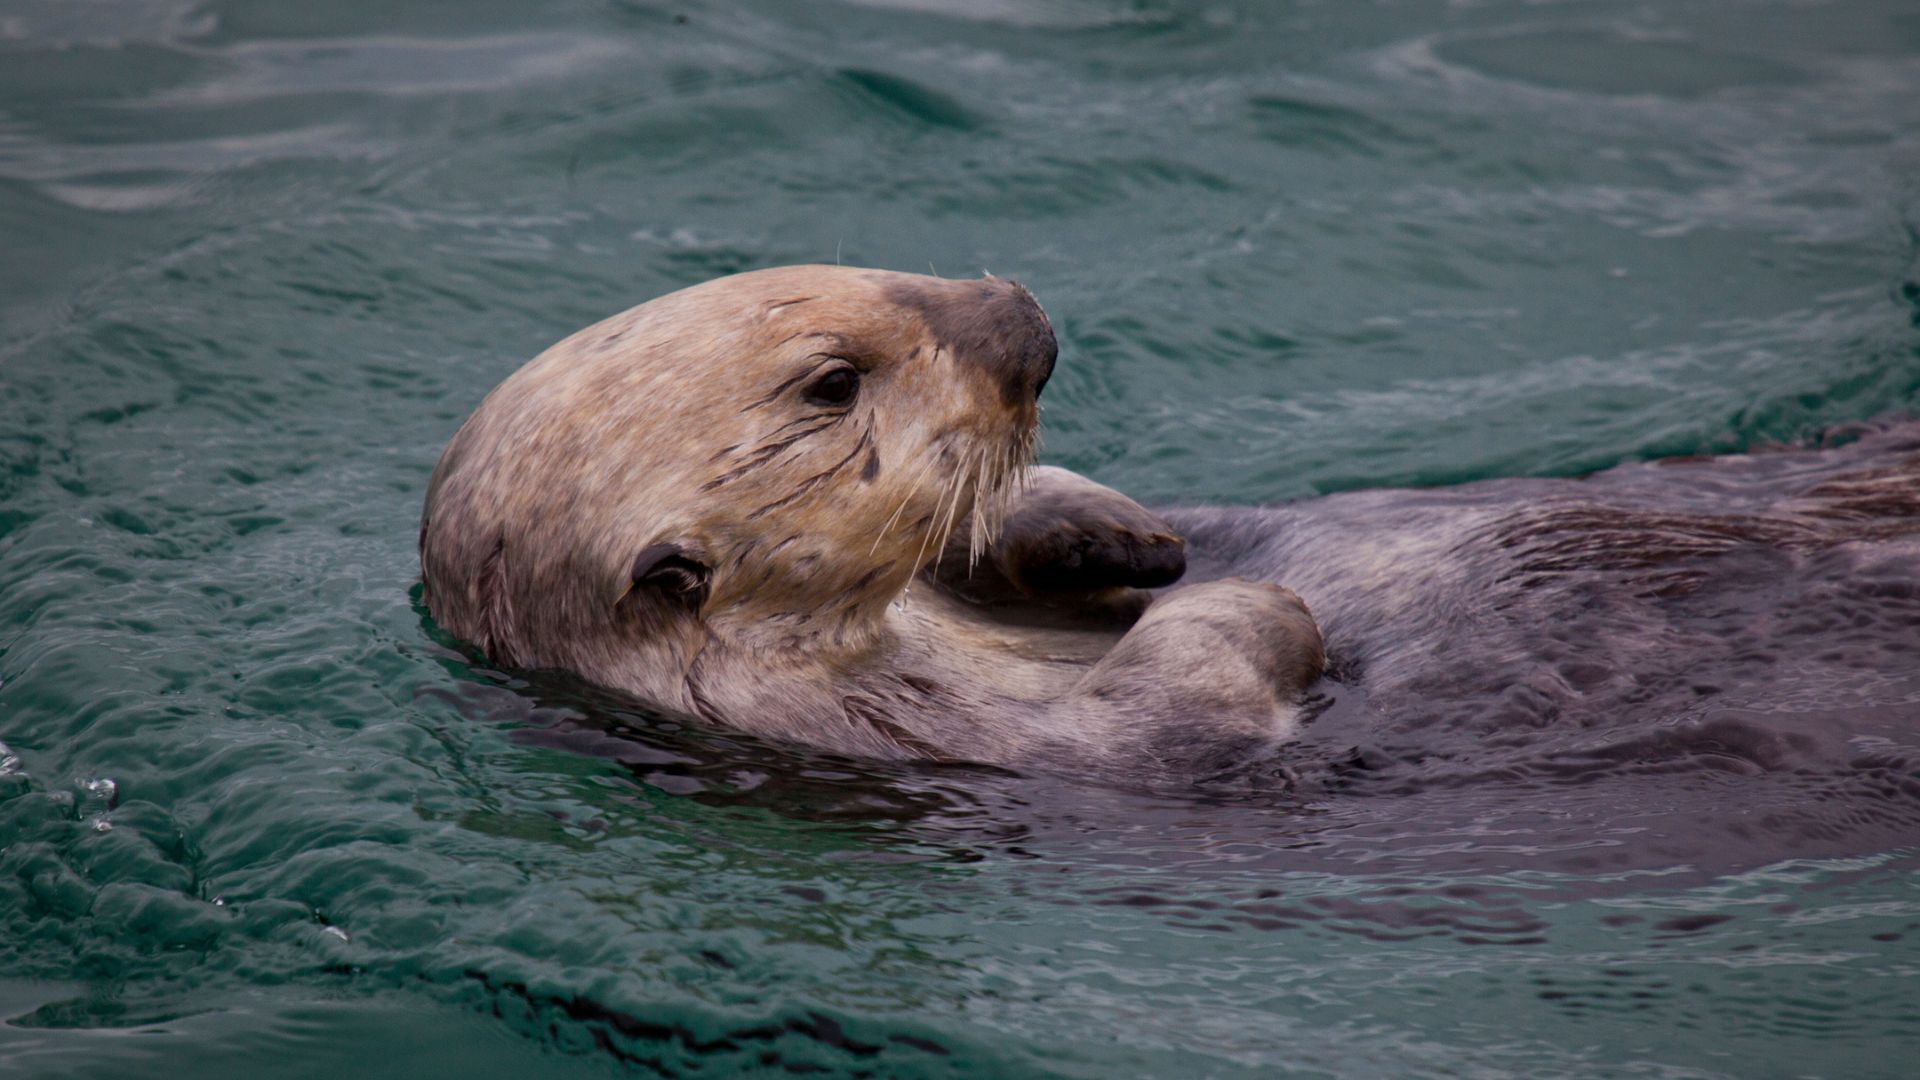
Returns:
<point x="656" y="504"/>
<point x="1649" y="590"/>
<point x="648" y="504"/>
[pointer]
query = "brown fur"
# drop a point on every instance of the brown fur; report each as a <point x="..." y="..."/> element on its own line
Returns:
<point x="656" y="504"/>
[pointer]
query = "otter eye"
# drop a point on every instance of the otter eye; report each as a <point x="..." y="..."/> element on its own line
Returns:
<point x="836" y="387"/>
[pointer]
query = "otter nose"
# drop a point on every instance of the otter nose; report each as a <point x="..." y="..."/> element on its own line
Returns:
<point x="1025" y="361"/>
<point x="993" y="325"/>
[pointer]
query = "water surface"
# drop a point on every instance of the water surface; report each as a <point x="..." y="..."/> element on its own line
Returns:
<point x="257" y="817"/>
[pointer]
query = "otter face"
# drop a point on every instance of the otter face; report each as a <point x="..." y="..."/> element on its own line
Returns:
<point x="767" y="457"/>
<point x="877" y="412"/>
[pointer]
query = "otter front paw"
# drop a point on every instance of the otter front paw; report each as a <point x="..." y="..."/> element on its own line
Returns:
<point x="1066" y="537"/>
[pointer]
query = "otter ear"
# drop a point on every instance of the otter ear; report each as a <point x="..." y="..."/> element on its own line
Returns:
<point x="670" y="573"/>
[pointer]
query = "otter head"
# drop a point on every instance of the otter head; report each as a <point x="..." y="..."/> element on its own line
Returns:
<point x="763" y="460"/>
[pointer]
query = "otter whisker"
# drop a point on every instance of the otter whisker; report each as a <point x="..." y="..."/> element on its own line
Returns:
<point x="974" y="476"/>
<point x="993" y="515"/>
<point x="935" y="452"/>
<point x="962" y="473"/>
<point x="953" y="490"/>
<point x="816" y="479"/>
<point x="913" y="490"/>
<point x="987" y="504"/>
<point x="994" y="506"/>
<point x="984" y="524"/>
<point x="968" y="475"/>
<point x="771" y="446"/>
<point x="921" y="554"/>
<point x="1006" y="476"/>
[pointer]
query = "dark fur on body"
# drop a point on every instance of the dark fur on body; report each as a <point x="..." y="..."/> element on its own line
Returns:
<point x="1674" y="590"/>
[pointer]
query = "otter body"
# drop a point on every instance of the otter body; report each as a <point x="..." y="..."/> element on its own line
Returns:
<point x="797" y="502"/>
<point x="1651" y="602"/>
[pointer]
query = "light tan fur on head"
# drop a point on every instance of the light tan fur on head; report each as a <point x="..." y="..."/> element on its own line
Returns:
<point x="686" y="426"/>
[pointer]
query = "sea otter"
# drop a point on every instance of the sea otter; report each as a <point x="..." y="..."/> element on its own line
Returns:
<point x="780" y="501"/>
<point x="798" y="502"/>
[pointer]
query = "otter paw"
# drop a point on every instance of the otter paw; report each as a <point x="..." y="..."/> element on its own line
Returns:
<point x="1054" y="555"/>
<point x="1263" y="625"/>
<point x="1225" y="658"/>
<point x="1068" y="536"/>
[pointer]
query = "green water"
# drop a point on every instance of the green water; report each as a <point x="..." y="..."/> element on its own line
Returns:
<point x="258" y="260"/>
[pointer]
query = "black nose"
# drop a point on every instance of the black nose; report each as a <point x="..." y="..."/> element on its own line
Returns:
<point x="993" y="324"/>
<point x="1027" y="361"/>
